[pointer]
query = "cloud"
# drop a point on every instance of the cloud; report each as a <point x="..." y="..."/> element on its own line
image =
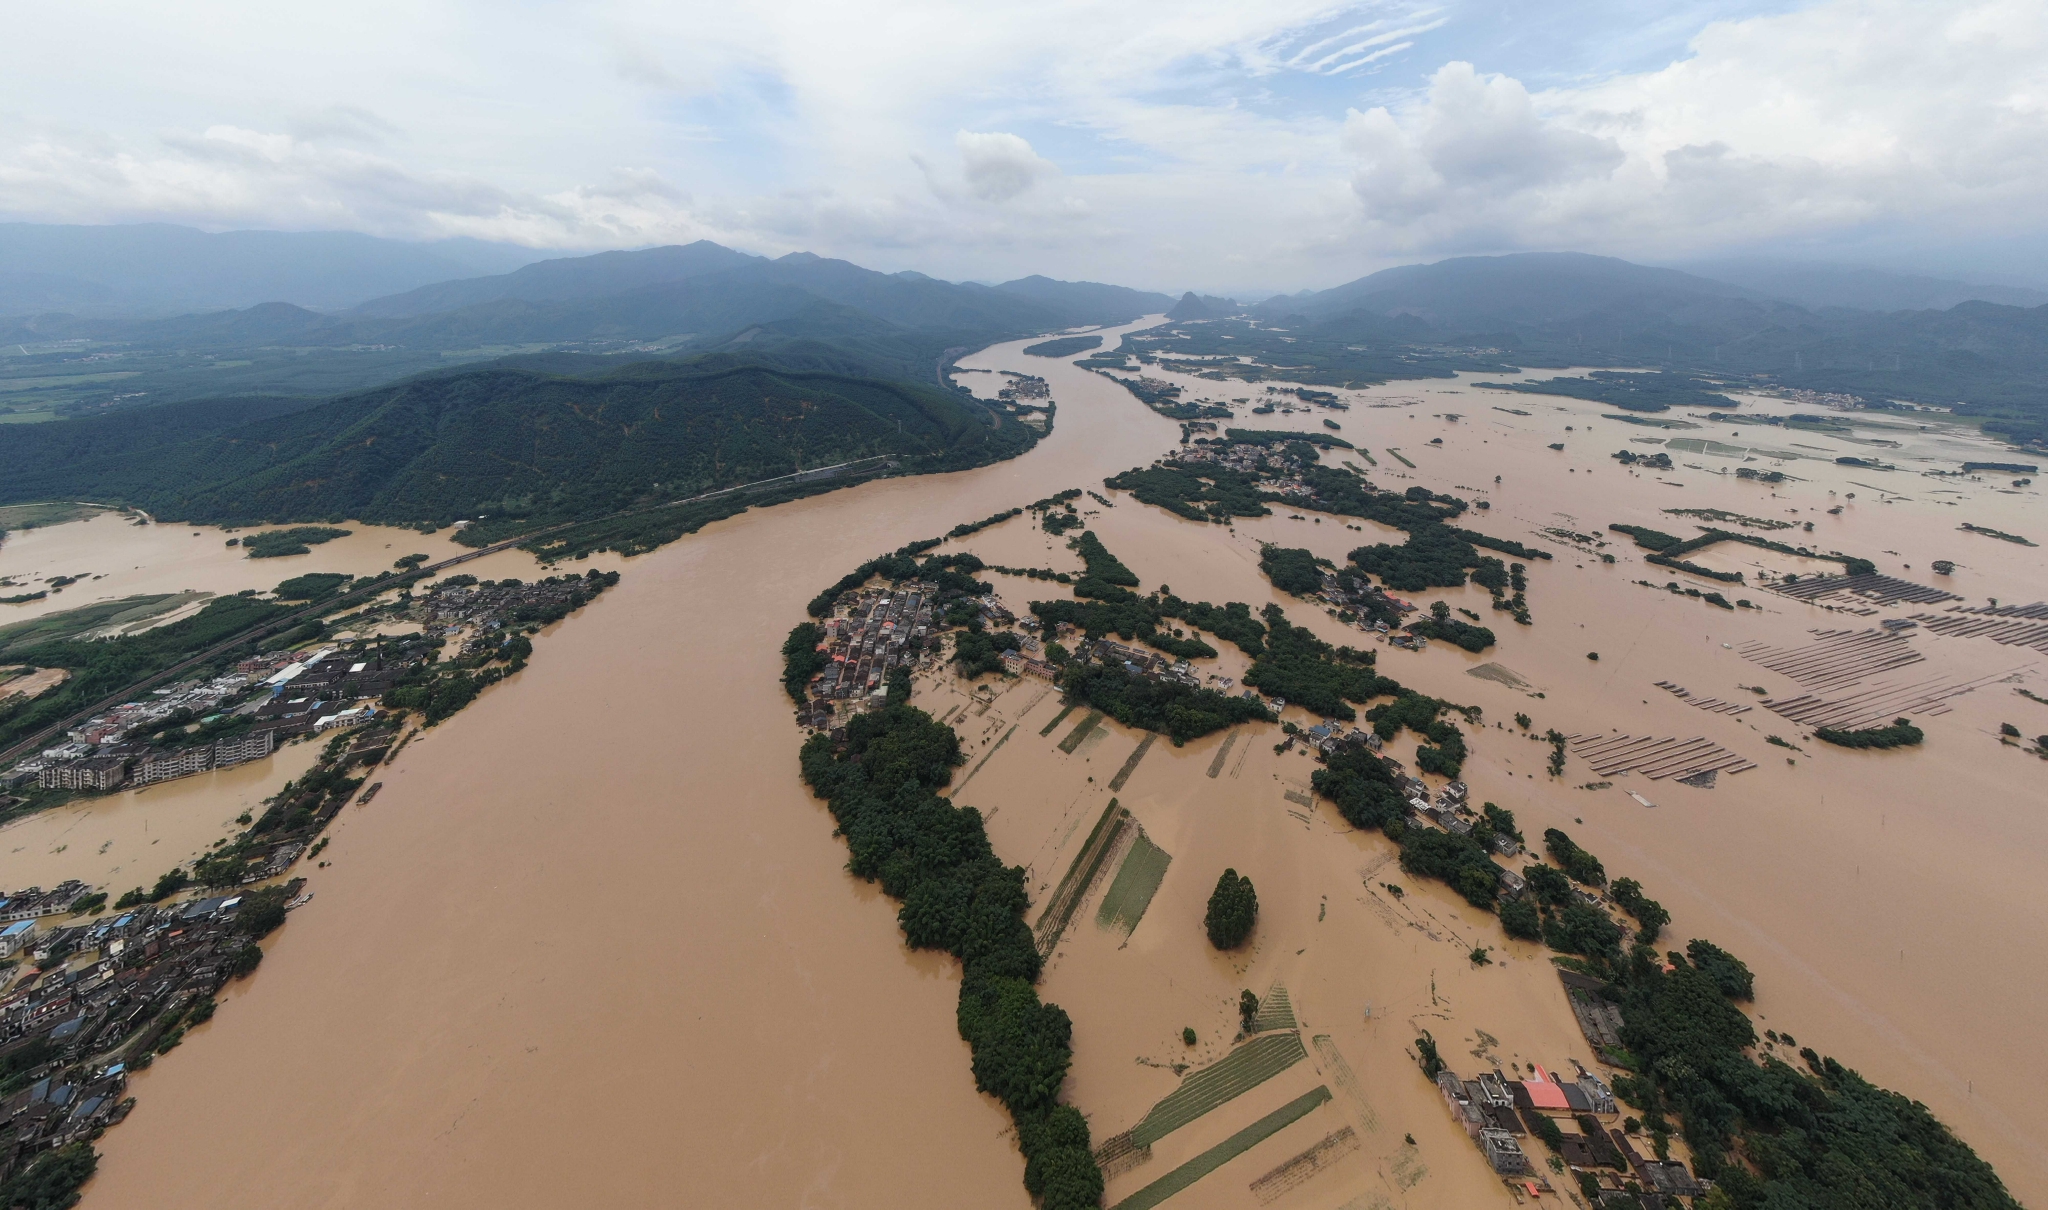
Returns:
<point x="999" y="167"/>
<point x="1193" y="143"/>
<point x="1821" y="122"/>
<point x="1475" y="142"/>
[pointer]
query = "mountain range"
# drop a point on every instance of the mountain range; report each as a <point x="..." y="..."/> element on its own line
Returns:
<point x="568" y="388"/>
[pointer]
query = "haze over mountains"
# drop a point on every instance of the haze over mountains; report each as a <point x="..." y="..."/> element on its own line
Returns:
<point x="193" y="412"/>
<point x="162" y="269"/>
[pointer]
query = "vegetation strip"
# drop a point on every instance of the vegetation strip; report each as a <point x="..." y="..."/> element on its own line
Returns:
<point x="1080" y="732"/>
<point x="1057" y="719"/>
<point x="2000" y="534"/>
<point x="1130" y="764"/>
<point x="1230" y="1077"/>
<point x="1059" y="910"/>
<point x="1397" y="456"/>
<point x="1226" y="1151"/>
<point x="1222" y="754"/>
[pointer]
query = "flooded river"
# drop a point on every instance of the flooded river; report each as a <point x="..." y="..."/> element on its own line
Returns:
<point x="594" y="943"/>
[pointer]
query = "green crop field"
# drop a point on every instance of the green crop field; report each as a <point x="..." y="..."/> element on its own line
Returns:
<point x="1226" y="1151"/>
<point x="1137" y="880"/>
<point x="1276" y="1011"/>
<point x="1237" y="1073"/>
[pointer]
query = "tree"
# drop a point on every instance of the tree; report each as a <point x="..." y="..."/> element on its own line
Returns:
<point x="1521" y="920"/>
<point x="1247" y="1008"/>
<point x="53" y="1180"/>
<point x="1728" y="972"/>
<point x="1233" y="906"/>
<point x="1432" y="1062"/>
<point x="1648" y="912"/>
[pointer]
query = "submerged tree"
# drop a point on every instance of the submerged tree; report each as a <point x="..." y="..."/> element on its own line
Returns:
<point x="1233" y="906"/>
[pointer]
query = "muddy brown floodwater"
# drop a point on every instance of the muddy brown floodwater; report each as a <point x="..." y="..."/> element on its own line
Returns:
<point x="595" y="944"/>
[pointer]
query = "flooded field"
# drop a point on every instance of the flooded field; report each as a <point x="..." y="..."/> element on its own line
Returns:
<point x="115" y="557"/>
<point x="594" y="943"/>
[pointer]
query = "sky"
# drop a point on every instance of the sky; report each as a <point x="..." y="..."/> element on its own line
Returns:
<point x="1240" y="148"/>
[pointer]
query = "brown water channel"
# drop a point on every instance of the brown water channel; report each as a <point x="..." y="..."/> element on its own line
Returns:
<point x="594" y="943"/>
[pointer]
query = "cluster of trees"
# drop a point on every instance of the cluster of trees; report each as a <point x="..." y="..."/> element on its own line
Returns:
<point x="1309" y="672"/>
<point x="313" y="586"/>
<point x="1350" y="351"/>
<point x="1233" y="909"/>
<point x="1172" y="709"/>
<point x="1649" y="914"/>
<point x="1444" y="752"/>
<point x="1293" y="569"/>
<point x="1232" y="621"/>
<point x="801" y="659"/>
<point x="1064" y="346"/>
<point x="1498" y="578"/>
<point x="1441" y="625"/>
<point x="52" y="1180"/>
<point x="1197" y="491"/>
<point x="973" y="527"/>
<point x="1434" y="556"/>
<point x="1460" y="861"/>
<point x="1647" y="538"/>
<point x="1902" y="733"/>
<point x="299" y="540"/>
<point x="935" y="859"/>
<point x="977" y="650"/>
<point x="1098" y="564"/>
<point x="1653" y="392"/>
<point x="1272" y="437"/>
<point x="1576" y="862"/>
<point x="1670" y="551"/>
<point x="1125" y="614"/>
<point x="1056" y="513"/>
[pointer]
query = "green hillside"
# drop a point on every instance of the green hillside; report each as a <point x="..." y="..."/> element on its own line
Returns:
<point x="521" y="447"/>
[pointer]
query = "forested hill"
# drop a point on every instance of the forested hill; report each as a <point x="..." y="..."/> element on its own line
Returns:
<point x="500" y="442"/>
